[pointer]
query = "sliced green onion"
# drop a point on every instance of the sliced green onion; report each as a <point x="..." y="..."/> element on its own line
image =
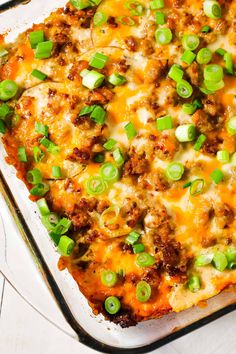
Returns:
<point x="118" y="157"/>
<point x="233" y="159"/>
<point x="188" y="57"/>
<point x="145" y="260"/>
<point x="125" y="20"/>
<point x="163" y="35"/>
<point x="204" y="56"/>
<point x="189" y="108"/>
<point x="184" y="89"/>
<point x="44" y="50"/>
<point x="56" y="172"/>
<point x="55" y="238"/>
<point x="39" y="75"/>
<point x="3" y="52"/>
<point x="132" y="238"/>
<point x="99" y="18"/>
<point x="5" y="109"/>
<point x="95" y="185"/>
<point x="138" y="248"/>
<point x="41" y="128"/>
<point x="214" y="86"/>
<point x="8" y="89"/>
<point x="164" y="123"/>
<point x="38" y="154"/>
<point x="109" y="278"/>
<point x="220" y="261"/>
<point x="185" y="133"/>
<point x="175" y="171"/>
<point x="157" y="4"/>
<point x="200" y="141"/>
<point x="36" y="37"/>
<point x="43" y="207"/>
<point x="231" y="254"/>
<point x="187" y="184"/>
<point x="222" y="156"/>
<point x="93" y="79"/>
<point x="231" y="265"/>
<point x="190" y="41"/>
<point x="49" y="145"/>
<point x="213" y="72"/>
<point x="203" y="260"/>
<point x="117" y="79"/>
<point x="176" y="73"/>
<point x="87" y="110"/>
<point x="109" y="172"/>
<point x="206" y="29"/>
<point x="121" y="273"/>
<point x="143" y="291"/>
<point x="2" y="127"/>
<point x="194" y="283"/>
<point x="197" y="186"/>
<point x="99" y="158"/>
<point x="135" y="7"/>
<point x="229" y="66"/>
<point x="231" y="126"/>
<point x="22" y="154"/>
<point x="62" y="227"/>
<point x="160" y="18"/>
<point x="205" y="91"/>
<point x="98" y="115"/>
<point x="197" y="103"/>
<point x="130" y="130"/>
<point x="98" y="61"/>
<point x="112" y="305"/>
<point x="220" y="51"/>
<point x="34" y="176"/>
<point x="212" y="9"/>
<point x="66" y="245"/>
<point x="39" y="190"/>
<point x="110" y="144"/>
<point x="50" y="220"/>
<point x="217" y="176"/>
<point x="84" y="72"/>
<point x="80" y="4"/>
<point x="110" y="215"/>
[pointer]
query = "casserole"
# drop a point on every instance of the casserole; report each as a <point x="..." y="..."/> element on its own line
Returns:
<point x="136" y="335"/>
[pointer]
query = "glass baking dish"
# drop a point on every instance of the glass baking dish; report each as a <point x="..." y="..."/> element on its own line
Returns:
<point x="93" y="331"/>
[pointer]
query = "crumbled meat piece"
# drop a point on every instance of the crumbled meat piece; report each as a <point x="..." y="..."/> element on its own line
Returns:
<point x="112" y="22"/>
<point x="224" y="215"/>
<point x="136" y="165"/>
<point x="89" y="204"/>
<point x="177" y="4"/>
<point x="152" y="276"/>
<point x="79" y="155"/>
<point x="84" y="122"/>
<point x="208" y="241"/>
<point x="194" y="73"/>
<point x="126" y="248"/>
<point x="221" y="26"/>
<point x="202" y="121"/>
<point x="212" y="145"/>
<point x="155" y="69"/>
<point x="131" y="212"/>
<point x="100" y="96"/>
<point x="80" y="218"/>
<point x="102" y="205"/>
<point x="155" y="180"/>
<point x="122" y="66"/>
<point x="166" y="147"/>
<point x="131" y="43"/>
<point x="147" y="47"/>
<point x="77" y="67"/>
<point x="158" y="219"/>
<point x="211" y="106"/>
<point x="123" y="318"/>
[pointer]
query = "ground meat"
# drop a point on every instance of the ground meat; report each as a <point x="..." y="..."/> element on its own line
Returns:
<point x="80" y="218"/>
<point x="155" y="180"/>
<point x="80" y="155"/>
<point x="221" y="26"/>
<point x="152" y="276"/>
<point x="76" y="68"/>
<point x="112" y="22"/>
<point x="155" y="69"/>
<point x="202" y="121"/>
<point x="166" y="147"/>
<point x="122" y="66"/>
<point x="224" y="215"/>
<point x="102" y="205"/>
<point x="136" y="165"/>
<point x="126" y="248"/>
<point x="147" y="47"/>
<point x="208" y="241"/>
<point x="124" y="318"/>
<point x="100" y="96"/>
<point x="212" y="145"/>
<point x="83" y="122"/>
<point x="177" y="4"/>
<point x="157" y="218"/>
<point x="211" y="106"/>
<point x="131" y="212"/>
<point x="194" y="73"/>
<point x="89" y="204"/>
<point x="131" y="43"/>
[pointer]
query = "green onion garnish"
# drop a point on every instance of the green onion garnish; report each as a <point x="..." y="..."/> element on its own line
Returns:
<point x="43" y="207"/>
<point x="145" y="260"/>
<point x="188" y="57"/>
<point x="214" y="86"/>
<point x="206" y="29"/>
<point x="39" y="75"/>
<point x="80" y="4"/>
<point x="186" y="185"/>
<point x="184" y="89"/>
<point x="98" y="115"/>
<point x="109" y="278"/>
<point x="175" y="171"/>
<point x="2" y="127"/>
<point x="217" y="176"/>
<point x="229" y="66"/>
<point x="100" y="18"/>
<point x="49" y="145"/>
<point x="38" y="154"/>
<point x="36" y="37"/>
<point x="62" y="226"/>
<point x="160" y="18"/>
<point x="231" y="126"/>
<point x="164" y="123"/>
<point x="117" y="79"/>
<point x="34" y="176"/>
<point x="222" y="156"/>
<point x="87" y="110"/>
<point x="138" y="248"/>
<point x="190" y="41"/>
<point x="66" y="245"/>
<point x="112" y="305"/>
<point x="163" y="35"/>
<point x="56" y="172"/>
<point x="231" y="254"/>
<point x="204" y="56"/>
<point x="185" y="133"/>
<point x="39" y="190"/>
<point x="176" y="73"/>
<point x="157" y="4"/>
<point x="212" y="9"/>
<point x="135" y="7"/>
<point x="126" y="20"/>
<point x="41" y="128"/>
<point x="98" y="61"/>
<point x="55" y="238"/>
<point x="110" y="144"/>
<point x="189" y="108"/>
<point x="50" y="221"/>
<point x="130" y="130"/>
<point x="194" y="283"/>
<point x="44" y="50"/>
<point x="143" y="291"/>
<point x="93" y="79"/>
<point x="95" y="185"/>
<point x="22" y="154"/>
<point x="203" y="260"/>
<point x="8" y="89"/>
<point x="132" y="238"/>
<point x="200" y="141"/>
<point x="118" y="157"/>
<point x="220" y="51"/>
<point x="213" y="72"/>
<point x="5" y="109"/>
<point x="3" y="52"/>
<point x="109" y="172"/>
<point x="233" y="159"/>
<point x="220" y="261"/>
<point x="99" y="158"/>
<point x="197" y="186"/>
